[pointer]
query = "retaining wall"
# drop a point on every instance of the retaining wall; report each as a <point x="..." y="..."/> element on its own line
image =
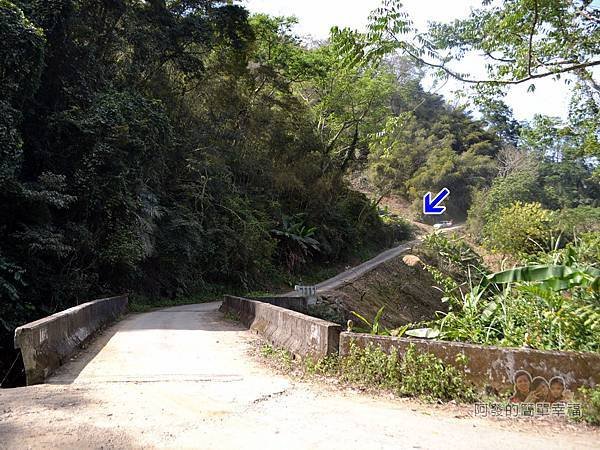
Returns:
<point x="494" y="366"/>
<point x="47" y="343"/>
<point x="300" y="334"/>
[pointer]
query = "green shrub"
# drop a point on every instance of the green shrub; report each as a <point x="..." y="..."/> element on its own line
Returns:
<point x="371" y="327"/>
<point x="574" y="221"/>
<point x="551" y="303"/>
<point x="523" y="228"/>
<point x="585" y="249"/>
<point x="351" y="224"/>
<point x="518" y="187"/>
<point x="417" y="373"/>
<point x="371" y="367"/>
<point x="400" y="229"/>
<point x="521" y="315"/>
<point x="327" y="366"/>
<point x="427" y="376"/>
<point x="452" y="253"/>
<point x="590" y="400"/>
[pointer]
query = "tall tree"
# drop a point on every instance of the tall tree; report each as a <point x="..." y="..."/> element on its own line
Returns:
<point x="520" y="40"/>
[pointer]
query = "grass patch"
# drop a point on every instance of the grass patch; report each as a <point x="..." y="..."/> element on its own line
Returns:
<point x="328" y="366"/>
<point x="283" y="359"/>
<point x="415" y="374"/>
<point x="427" y="376"/>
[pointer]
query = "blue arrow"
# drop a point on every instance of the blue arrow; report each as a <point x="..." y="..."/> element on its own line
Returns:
<point x="431" y="206"/>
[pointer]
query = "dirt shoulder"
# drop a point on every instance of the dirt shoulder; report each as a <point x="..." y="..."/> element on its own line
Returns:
<point x="538" y="426"/>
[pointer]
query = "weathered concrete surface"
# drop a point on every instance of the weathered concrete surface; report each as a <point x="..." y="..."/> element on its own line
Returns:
<point x="295" y="303"/>
<point x="46" y="343"/>
<point x="300" y="334"/>
<point x="495" y="366"/>
<point x="182" y="378"/>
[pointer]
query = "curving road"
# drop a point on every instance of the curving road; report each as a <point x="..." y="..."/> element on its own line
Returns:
<point x="358" y="271"/>
<point x="182" y="378"/>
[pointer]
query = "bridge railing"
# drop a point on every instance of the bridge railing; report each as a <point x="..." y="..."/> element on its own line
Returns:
<point x="284" y="327"/>
<point x="47" y="343"/>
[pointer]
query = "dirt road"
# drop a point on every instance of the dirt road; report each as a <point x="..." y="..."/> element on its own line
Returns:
<point x="182" y="378"/>
<point x="358" y="271"/>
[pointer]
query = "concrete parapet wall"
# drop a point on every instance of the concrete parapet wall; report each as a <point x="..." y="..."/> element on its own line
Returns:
<point x="494" y="366"/>
<point x="300" y="334"/>
<point x="299" y="304"/>
<point x="47" y="343"/>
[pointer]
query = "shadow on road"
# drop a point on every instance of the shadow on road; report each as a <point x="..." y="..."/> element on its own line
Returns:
<point x="134" y="338"/>
<point x="78" y="361"/>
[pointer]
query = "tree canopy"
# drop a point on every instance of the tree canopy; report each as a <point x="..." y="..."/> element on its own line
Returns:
<point x="164" y="148"/>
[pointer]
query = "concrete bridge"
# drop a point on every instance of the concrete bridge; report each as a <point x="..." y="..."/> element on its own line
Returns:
<point x="182" y="378"/>
<point x="186" y="377"/>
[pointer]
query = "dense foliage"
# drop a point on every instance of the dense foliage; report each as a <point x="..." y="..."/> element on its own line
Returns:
<point x="159" y="147"/>
<point x="550" y="302"/>
<point x="427" y="145"/>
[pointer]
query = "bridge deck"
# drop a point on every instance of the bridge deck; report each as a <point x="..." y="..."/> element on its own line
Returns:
<point x="181" y="377"/>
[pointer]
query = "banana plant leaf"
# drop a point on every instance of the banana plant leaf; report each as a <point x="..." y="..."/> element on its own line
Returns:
<point x="424" y="333"/>
<point x="554" y="277"/>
